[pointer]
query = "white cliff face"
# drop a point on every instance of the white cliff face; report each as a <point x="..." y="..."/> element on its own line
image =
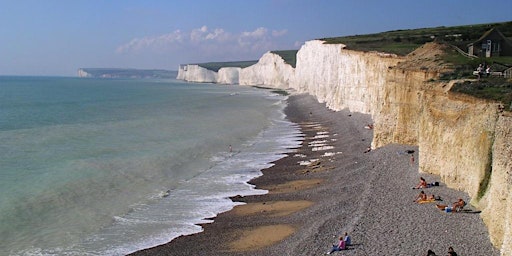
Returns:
<point x="464" y="140"/>
<point x="271" y="70"/>
<point x="82" y="73"/>
<point x="341" y="78"/>
<point x="460" y="138"/>
<point x="195" y="73"/>
<point x="228" y="75"/>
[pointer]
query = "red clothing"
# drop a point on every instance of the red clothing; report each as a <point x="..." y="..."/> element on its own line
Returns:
<point x="341" y="245"/>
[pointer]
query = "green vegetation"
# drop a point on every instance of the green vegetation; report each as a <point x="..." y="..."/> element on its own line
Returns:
<point x="402" y="42"/>
<point x="289" y="56"/>
<point x="215" y="66"/>
<point x="493" y="88"/>
<point x="484" y="184"/>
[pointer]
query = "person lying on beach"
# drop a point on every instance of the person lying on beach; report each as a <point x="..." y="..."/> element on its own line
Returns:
<point x="340" y="246"/>
<point x="424" y="198"/>
<point x="456" y="207"/>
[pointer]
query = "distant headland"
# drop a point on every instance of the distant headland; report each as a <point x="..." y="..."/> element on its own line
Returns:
<point x="125" y="73"/>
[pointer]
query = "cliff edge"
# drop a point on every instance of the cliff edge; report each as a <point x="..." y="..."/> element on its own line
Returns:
<point x="465" y="140"/>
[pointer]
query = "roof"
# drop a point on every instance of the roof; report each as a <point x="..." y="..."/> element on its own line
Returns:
<point x="488" y="32"/>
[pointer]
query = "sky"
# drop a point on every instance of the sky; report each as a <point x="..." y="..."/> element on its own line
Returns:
<point x="57" y="37"/>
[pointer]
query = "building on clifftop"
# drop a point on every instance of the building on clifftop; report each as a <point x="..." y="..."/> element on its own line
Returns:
<point x="491" y="44"/>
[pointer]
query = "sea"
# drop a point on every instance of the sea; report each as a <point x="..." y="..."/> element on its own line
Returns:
<point x="111" y="166"/>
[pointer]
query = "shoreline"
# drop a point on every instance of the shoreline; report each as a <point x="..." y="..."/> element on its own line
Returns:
<point x="367" y="195"/>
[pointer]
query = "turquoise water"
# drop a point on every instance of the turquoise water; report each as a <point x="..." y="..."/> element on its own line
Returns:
<point x="107" y="167"/>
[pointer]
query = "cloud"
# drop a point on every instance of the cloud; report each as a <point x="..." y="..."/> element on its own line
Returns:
<point x="277" y="33"/>
<point x="136" y="44"/>
<point x="206" y="42"/>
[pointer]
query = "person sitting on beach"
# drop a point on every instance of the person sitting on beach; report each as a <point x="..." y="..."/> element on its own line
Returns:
<point x="456" y="207"/>
<point x="347" y="239"/>
<point x="422" y="183"/>
<point x="421" y="197"/>
<point x="340" y="246"/>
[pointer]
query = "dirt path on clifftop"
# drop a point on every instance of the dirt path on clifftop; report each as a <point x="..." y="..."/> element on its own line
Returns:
<point x="428" y="57"/>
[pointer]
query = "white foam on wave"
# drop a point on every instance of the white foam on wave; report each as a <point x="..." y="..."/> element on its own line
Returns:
<point x="321" y="136"/>
<point x="315" y="142"/>
<point x="308" y="162"/>
<point x="331" y="153"/>
<point x="322" y="148"/>
<point x="197" y="195"/>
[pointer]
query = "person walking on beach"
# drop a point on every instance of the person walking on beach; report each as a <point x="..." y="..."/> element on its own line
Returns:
<point x="340" y="246"/>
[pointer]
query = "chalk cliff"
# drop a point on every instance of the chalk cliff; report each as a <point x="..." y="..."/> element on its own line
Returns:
<point x="83" y="73"/>
<point x="228" y="76"/>
<point x="195" y="73"/>
<point x="271" y="70"/>
<point x="467" y="141"/>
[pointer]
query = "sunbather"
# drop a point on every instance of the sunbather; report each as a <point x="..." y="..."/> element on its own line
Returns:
<point x="456" y="207"/>
<point x="422" y="183"/>
<point x="422" y="197"/>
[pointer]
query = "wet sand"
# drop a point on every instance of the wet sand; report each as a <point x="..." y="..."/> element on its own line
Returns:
<point x="343" y="189"/>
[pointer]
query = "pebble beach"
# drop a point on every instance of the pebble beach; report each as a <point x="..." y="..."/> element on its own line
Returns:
<point x="331" y="185"/>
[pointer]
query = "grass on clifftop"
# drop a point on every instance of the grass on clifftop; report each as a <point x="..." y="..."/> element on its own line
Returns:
<point x="289" y="56"/>
<point x="492" y="88"/>
<point x="215" y="66"/>
<point x="402" y="42"/>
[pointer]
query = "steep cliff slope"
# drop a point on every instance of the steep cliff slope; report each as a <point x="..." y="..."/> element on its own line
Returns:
<point x="195" y="73"/>
<point x="271" y="70"/>
<point x="467" y="141"/>
<point x="342" y="78"/>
